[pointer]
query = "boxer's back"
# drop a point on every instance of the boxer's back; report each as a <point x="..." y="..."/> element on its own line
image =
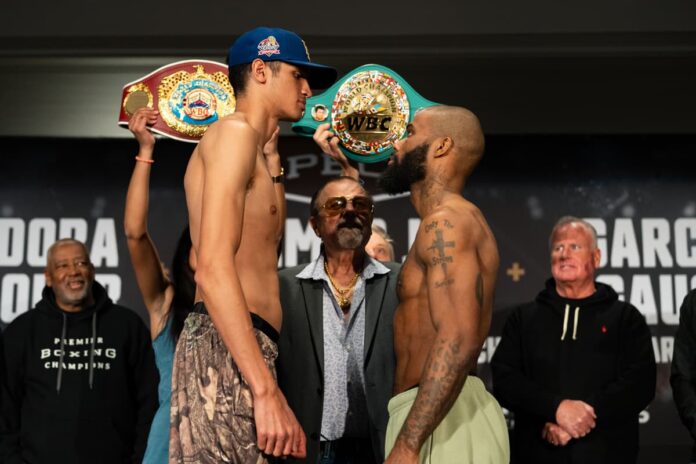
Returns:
<point x="256" y="256"/>
<point x="414" y="330"/>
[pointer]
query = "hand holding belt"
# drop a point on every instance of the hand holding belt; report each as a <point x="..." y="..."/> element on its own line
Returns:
<point x="190" y="96"/>
<point x="368" y="110"/>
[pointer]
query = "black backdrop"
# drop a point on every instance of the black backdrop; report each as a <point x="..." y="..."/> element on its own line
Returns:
<point x="639" y="192"/>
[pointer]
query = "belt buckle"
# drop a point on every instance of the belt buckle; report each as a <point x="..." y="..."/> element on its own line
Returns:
<point x="190" y="95"/>
<point x="370" y="108"/>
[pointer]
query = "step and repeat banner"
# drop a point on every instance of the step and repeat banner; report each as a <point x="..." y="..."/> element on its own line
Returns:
<point x="639" y="192"/>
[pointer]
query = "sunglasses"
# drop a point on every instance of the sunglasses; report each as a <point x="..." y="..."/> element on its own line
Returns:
<point x="336" y="205"/>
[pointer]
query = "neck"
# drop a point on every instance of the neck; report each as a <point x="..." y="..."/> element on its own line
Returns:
<point x="575" y="291"/>
<point x="428" y="194"/>
<point x="75" y="307"/>
<point x="342" y="262"/>
<point x="258" y="116"/>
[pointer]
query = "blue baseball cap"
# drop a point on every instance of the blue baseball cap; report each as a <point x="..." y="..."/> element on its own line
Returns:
<point x="274" y="44"/>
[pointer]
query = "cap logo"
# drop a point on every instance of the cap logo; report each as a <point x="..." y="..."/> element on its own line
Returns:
<point x="269" y="46"/>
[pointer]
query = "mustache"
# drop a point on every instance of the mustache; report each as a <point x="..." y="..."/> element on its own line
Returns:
<point x="351" y="222"/>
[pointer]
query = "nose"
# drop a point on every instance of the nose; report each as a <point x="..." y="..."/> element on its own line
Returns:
<point x="306" y="90"/>
<point x="73" y="269"/>
<point x="349" y="206"/>
<point x="397" y="145"/>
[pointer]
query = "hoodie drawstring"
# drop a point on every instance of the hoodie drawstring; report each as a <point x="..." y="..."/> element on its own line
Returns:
<point x="575" y="322"/>
<point x="63" y="333"/>
<point x="565" y="322"/>
<point x="94" y="339"/>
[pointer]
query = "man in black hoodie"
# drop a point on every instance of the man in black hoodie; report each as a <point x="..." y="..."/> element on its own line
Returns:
<point x="683" y="378"/>
<point x="81" y="383"/>
<point x="576" y="365"/>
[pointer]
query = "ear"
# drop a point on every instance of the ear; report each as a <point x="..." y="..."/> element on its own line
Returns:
<point x="443" y="146"/>
<point x="47" y="276"/>
<point x="315" y="225"/>
<point x="259" y="71"/>
<point x="596" y="257"/>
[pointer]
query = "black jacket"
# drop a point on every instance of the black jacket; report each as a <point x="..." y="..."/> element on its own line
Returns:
<point x="683" y="378"/>
<point x="55" y="408"/>
<point x="605" y="359"/>
<point x="301" y="353"/>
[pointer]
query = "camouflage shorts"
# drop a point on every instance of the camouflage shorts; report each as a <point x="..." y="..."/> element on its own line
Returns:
<point x="212" y="411"/>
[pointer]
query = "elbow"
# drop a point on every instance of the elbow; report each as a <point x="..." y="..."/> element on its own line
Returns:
<point x="466" y="346"/>
<point x="133" y="232"/>
<point x="203" y="277"/>
<point x="208" y="276"/>
<point x="135" y="237"/>
<point x="462" y="350"/>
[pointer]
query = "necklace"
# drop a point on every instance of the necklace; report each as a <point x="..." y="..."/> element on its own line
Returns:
<point x="341" y="293"/>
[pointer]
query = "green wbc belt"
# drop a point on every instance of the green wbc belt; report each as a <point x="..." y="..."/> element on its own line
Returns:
<point x="368" y="109"/>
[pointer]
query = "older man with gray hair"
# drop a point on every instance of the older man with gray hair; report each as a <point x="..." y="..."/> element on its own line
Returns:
<point x="576" y="365"/>
<point x="80" y="384"/>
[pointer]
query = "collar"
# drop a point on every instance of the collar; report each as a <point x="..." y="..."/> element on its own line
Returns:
<point x="315" y="269"/>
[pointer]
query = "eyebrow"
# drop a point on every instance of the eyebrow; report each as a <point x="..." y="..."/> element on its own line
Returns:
<point x="298" y="70"/>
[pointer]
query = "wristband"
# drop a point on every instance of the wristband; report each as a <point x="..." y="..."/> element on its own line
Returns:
<point x="280" y="178"/>
<point x="144" y="160"/>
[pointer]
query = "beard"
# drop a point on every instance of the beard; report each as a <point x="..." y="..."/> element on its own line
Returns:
<point x="350" y="233"/>
<point x="399" y="176"/>
<point x="350" y="239"/>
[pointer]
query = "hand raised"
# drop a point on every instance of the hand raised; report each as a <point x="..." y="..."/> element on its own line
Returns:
<point x="328" y="143"/>
<point x="138" y="123"/>
<point x="271" y="146"/>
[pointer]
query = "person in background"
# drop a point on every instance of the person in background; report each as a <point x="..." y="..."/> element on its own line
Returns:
<point x="168" y="296"/>
<point x="81" y="380"/>
<point x="380" y="246"/>
<point x="683" y="378"/>
<point x="336" y="354"/>
<point x="576" y="365"/>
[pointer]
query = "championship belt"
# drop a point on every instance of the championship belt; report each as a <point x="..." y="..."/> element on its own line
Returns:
<point x="189" y="95"/>
<point x="368" y="109"/>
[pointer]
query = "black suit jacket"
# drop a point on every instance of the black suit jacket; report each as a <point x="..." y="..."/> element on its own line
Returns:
<point x="300" y="363"/>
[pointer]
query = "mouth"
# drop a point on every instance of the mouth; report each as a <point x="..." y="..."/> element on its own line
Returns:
<point x="354" y="224"/>
<point x="76" y="284"/>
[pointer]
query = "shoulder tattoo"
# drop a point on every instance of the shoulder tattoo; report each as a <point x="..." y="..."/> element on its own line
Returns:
<point x="440" y="257"/>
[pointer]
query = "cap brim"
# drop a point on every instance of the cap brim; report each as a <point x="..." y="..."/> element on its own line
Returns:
<point x="318" y="75"/>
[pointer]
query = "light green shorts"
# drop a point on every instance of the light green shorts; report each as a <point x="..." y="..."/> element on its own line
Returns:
<point x="474" y="430"/>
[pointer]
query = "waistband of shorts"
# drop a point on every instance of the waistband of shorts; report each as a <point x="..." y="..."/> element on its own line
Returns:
<point x="407" y="397"/>
<point x="257" y="321"/>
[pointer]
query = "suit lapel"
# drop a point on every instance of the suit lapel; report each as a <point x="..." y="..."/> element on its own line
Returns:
<point x="312" y="291"/>
<point x="374" y="296"/>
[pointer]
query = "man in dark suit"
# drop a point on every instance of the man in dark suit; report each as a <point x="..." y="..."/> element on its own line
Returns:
<point x="336" y="355"/>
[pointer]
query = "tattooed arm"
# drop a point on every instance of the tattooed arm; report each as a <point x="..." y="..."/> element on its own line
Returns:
<point x="446" y="249"/>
